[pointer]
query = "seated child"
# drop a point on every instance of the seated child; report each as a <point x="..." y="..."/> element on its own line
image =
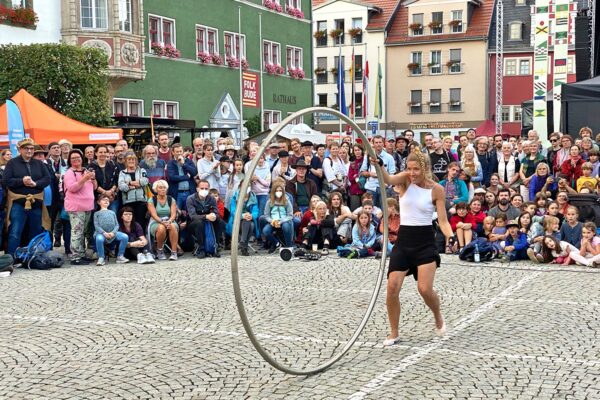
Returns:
<point x="555" y="251"/>
<point x="364" y="236"/>
<point x="516" y="245"/>
<point x="462" y="224"/>
<point x="550" y="228"/>
<point x="107" y="230"/>
<point x="488" y="226"/>
<point x="587" y="177"/>
<point x="570" y="231"/>
<point x="137" y="243"/>
<point x="499" y="231"/>
<point x="589" y="252"/>
<point x="393" y="224"/>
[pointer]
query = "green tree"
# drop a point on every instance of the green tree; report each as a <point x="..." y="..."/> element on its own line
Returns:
<point x="253" y="125"/>
<point x="73" y="80"/>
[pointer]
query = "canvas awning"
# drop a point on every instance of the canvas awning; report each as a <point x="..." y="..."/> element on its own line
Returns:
<point x="44" y="124"/>
<point x="488" y="128"/>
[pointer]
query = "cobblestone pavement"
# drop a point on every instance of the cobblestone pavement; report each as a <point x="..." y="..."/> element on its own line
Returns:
<point x="171" y="330"/>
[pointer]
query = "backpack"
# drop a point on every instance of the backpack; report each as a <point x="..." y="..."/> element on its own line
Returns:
<point x="47" y="260"/>
<point x="40" y="244"/>
<point x="210" y="241"/>
<point x="169" y="201"/>
<point x="487" y="251"/>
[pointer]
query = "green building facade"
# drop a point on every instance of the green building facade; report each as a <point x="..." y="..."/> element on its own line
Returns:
<point x="185" y="40"/>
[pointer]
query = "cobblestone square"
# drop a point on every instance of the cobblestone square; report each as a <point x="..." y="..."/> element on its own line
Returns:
<point x="171" y="330"/>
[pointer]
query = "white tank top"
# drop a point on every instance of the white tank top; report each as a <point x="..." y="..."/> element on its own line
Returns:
<point x="416" y="206"/>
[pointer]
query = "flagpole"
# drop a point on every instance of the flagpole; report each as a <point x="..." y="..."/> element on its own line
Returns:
<point x="340" y="83"/>
<point x="241" y="89"/>
<point x="379" y="113"/>
<point x="260" y="46"/>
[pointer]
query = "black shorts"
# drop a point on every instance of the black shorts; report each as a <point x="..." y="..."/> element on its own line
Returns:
<point x="415" y="246"/>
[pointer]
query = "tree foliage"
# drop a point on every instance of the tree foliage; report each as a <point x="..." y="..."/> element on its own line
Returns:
<point x="253" y="125"/>
<point x="73" y="80"/>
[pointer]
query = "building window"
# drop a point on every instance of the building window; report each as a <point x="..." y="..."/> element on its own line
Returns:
<point x="416" y="61"/>
<point x="358" y="72"/>
<point x="515" y="30"/>
<point x="511" y="114"/>
<point x="322" y="102"/>
<point x="161" y="30"/>
<point x="571" y="65"/>
<point x="524" y="66"/>
<point x="339" y="24"/>
<point x="437" y="23"/>
<point x="94" y="14"/>
<point x="455" y="62"/>
<point x="125" y="15"/>
<point x="455" y="102"/>
<point x="235" y="45"/>
<point x="520" y="2"/>
<point x="128" y="107"/>
<point x="435" y="101"/>
<point x="271" y="53"/>
<point x="294" y="58"/>
<point x="505" y="114"/>
<point x="414" y="104"/>
<point x="296" y="121"/>
<point x="435" y="62"/>
<point x="321" y="70"/>
<point x="322" y="27"/>
<point x="357" y="24"/>
<point x="271" y="117"/>
<point x="336" y="65"/>
<point x="207" y="40"/>
<point x="165" y="109"/>
<point x="417" y="24"/>
<point x="517" y="113"/>
<point x="510" y="66"/>
<point x="456" y="22"/>
<point x="358" y="106"/>
<point x="293" y="4"/>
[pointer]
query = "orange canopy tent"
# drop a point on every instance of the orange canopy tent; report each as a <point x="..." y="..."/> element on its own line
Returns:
<point x="44" y="124"/>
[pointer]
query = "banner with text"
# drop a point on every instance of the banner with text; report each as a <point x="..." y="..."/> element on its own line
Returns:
<point x="251" y="89"/>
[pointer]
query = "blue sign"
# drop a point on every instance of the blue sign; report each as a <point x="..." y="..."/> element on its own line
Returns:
<point x="16" y="132"/>
<point x="372" y="124"/>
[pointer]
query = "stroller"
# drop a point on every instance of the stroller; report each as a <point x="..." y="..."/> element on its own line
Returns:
<point x="588" y="205"/>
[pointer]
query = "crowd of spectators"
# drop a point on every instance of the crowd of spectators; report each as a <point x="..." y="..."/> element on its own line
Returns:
<point x="107" y="201"/>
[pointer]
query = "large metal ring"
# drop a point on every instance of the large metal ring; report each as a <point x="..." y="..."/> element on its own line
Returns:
<point x="235" y="238"/>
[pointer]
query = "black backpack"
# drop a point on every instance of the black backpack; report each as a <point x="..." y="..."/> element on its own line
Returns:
<point x="487" y="251"/>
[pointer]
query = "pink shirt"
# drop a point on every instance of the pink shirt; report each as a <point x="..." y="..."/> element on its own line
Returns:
<point x="81" y="200"/>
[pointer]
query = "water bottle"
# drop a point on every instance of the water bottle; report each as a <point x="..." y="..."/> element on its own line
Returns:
<point x="476" y="254"/>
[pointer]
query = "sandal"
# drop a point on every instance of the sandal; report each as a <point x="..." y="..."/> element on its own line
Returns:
<point x="325" y="251"/>
<point x="391" y="341"/>
<point x="449" y="249"/>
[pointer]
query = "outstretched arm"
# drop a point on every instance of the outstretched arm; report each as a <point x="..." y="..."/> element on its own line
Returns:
<point x="397" y="179"/>
<point x="439" y="198"/>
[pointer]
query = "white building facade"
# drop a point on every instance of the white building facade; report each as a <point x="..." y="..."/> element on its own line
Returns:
<point x="45" y="30"/>
<point x="347" y="27"/>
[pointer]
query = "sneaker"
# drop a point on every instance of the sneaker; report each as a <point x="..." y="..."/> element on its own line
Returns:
<point x="141" y="258"/>
<point x="100" y="261"/>
<point x="57" y="243"/>
<point x="595" y="264"/>
<point x="216" y="255"/>
<point x="504" y="258"/>
<point x="6" y="271"/>
<point x="148" y="258"/>
<point x="200" y="254"/>
<point x="160" y="254"/>
<point x="89" y="260"/>
<point x="540" y="258"/>
<point x="173" y="257"/>
<point x="244" y="251"/>
<point x="79" y="261"/>
<point x="122" y="260"/>
<point x="353" y="254"/>
<point x="272" y="248"/>
<point x="377" y="255"/>
<point x="391" y="341"/>
<point x="532" y="256"/>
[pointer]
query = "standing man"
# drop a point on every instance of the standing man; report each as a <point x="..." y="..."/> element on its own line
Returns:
<point x="471" y="135"/>
<point x="487" y="159"/>
<point x="497" y="149"/>
<point x="553" y="149"/>
<point x="296" y="152"/>
<point x="181" y="172"/>
<point x="410" y="135"/>
<point x="25" y="176"/>
<point x="272" y="157"/>
<point x="89" y="156"/>
<point x="368" y="170"/>
<point x="198" y="151"/>
<point x="428" y="148"/>
<point x="440" y="159"/>
<point x="164" y="152"/>
<point x="155" y="168"/>
<point x="57" y="166"/>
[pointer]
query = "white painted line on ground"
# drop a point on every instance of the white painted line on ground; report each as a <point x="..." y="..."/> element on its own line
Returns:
<point x="383" y="378"/>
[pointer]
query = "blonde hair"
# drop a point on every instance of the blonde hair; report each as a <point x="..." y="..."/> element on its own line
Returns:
<point x="423" y="160"/>
<point x="160" y="182"/>
<point x="550" y="220"/>
<point x="489" y="219"/>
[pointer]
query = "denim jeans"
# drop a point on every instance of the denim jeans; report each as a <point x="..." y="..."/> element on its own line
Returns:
<point x="120" y="237"/>
<point x="288" y="233"/>
<point x="376" y="197"/>
<point x="262" y="202"/>
<point x="181" y="199"/>
<point x="19" y="218"/>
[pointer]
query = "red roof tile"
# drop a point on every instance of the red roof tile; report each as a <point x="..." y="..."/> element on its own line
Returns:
<point x="478" y="27"/>
<point x="378" y="20"/>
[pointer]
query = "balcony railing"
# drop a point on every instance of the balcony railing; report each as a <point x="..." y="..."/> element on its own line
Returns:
<point x="442" y="108"/>
<point x="436" y="69"/>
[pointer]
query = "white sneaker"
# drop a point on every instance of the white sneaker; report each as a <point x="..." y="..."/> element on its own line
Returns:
<point x="173" y="256"/>
<point x="160" y="254"/>
<point x="140" y="258"/>
<point x="100" y="261"/>
<point x="149" y="258"/>
<point x="122" y="260"/>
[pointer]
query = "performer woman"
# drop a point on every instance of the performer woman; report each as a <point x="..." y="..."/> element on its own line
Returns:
<point x="413" y="252"/>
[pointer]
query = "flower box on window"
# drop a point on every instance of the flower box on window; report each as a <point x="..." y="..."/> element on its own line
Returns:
<point x="320" y="34"/>
<point x="416" y="26"/>
<point x="334" y="70"/>
<point x="335" y="33"/>
<point x="320" y="71"/>
<point x="413" y="65"/>
<point x="414" y="104"/>
<point x="233" y="62"/>
<point x="434" y="103"/>
<point x="274" y="69"/>
<point x="296" y="73"/>
<point x="117" y="114"/>
<point x="295" y="12"/>
<point x="434" y="24"/>
<point x="205" y="58"/>
<point x="432" y="65"/>
<point x="452" y="63"/>
<point x="217" y="59"/>
<point x="19" y="16"/>
<point x="455" y="22"/>
<point x="455" y="103"/>
<point x="272" y="5"/>
<point x="165" y="51"/>
<point x="354" y="32"/>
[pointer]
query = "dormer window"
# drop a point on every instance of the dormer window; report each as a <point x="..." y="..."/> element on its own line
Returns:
<point x="456" y="24"/>
<point x="437" y="23"/>
<point x="515" y="30"/>
<point x="416" y="27"/>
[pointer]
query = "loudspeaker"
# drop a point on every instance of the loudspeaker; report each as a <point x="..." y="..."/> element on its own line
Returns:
<point x="286" y="253"/>
<point x="582" y="47"/>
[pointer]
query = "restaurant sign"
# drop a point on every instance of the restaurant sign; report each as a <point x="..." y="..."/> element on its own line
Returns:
<point x="436" y="125"/>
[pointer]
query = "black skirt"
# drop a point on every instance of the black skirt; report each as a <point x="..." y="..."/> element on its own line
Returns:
<point x="415" y="246"/>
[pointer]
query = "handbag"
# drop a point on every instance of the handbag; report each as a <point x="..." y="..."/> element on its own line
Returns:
<point x="362" y="182"/>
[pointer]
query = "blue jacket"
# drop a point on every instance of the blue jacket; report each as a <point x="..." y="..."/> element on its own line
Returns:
<point x="363" y="241"/>
<point x="489" y="165"/>
<point x="520" y="242"/>
<point x="462" y="193"/>
<point x="251" y="206"/>
<point x="189" y="172"/>
<point x="537" y="183"/>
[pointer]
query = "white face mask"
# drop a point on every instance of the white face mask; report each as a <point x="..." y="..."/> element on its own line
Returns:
<point x="278" y="194"/>
<point x="203" y="192"/>
<point x="221" y="147"/>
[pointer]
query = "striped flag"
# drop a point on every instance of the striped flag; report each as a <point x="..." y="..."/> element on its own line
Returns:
<point x="366" y="89"/>
<point x="340" y="86"/>
<point x="352" y="91"/>
<point x="377" y="113"/>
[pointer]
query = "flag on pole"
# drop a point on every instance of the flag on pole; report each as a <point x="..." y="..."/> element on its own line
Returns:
<point x="340" y="87"/>
<point x="14" y="122"/>
<point x="352" y="91"/>
<point x="366" y="89"/>
<point x="377" y="113"/>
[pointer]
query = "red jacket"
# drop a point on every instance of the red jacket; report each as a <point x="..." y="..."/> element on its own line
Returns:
<point x="468" y="219"/>
<point x="572" y="172"/>
<point x="479" y="217"/>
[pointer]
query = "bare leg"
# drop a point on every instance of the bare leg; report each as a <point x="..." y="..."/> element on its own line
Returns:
<point x="161" y="235"/>
<point x="428" y="293"/>
<point x="173" y="238"/>
<point x="468" y="236"/>
<point x="460" y="235"/>
<point x="392" y="300"/>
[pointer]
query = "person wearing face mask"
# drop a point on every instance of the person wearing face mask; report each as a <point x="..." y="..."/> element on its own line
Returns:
<point x="220" y="148"/>
<point x="249" y="219"/>
<point x="278" y="217"/>
<point x="202" y="209"/>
